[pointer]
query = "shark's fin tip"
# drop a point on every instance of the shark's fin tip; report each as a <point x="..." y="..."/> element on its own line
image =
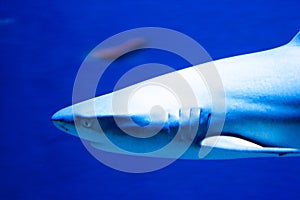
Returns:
<point x="296" y="40"/>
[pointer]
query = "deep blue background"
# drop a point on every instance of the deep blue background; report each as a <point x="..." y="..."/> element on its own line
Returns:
<point x="42" y="48"/>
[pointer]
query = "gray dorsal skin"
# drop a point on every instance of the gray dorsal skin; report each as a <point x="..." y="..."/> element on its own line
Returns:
<point x="262" y="118"/>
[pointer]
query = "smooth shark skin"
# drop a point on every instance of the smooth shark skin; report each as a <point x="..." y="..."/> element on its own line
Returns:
<point x="262" y="118"/>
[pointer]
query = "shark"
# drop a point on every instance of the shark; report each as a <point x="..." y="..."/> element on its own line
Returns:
<point x="260" y="94"/>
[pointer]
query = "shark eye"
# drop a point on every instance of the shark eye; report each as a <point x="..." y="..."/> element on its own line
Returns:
<point x="86" y="123"/>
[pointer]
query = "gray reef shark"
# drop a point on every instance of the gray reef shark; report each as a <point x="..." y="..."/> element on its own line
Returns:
<point x="261" y="116"/>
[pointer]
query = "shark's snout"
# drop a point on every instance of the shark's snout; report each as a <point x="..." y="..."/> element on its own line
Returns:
<point x="65" y="114"/>
<point x="64" y="120"/>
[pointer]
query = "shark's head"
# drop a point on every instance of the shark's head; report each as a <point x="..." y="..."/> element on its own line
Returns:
<point x="143" y="117"/>
<point x="143" y="125"/>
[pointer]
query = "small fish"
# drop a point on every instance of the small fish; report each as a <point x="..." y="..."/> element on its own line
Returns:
<point x="119" y="50"/>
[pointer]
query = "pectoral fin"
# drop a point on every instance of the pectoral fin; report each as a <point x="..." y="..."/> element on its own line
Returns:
<point x="228" y="147"/>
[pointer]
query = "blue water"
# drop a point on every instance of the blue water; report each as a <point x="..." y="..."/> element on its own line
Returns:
<point x="42" y="46"/>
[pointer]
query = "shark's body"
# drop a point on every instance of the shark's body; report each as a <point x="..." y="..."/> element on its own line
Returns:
<point x="262" y="115"/>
